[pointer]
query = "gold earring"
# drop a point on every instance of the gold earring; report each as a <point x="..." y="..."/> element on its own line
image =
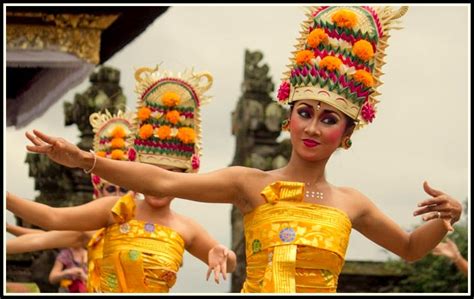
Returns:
<point x="285" y="125"/>
<point x="346" y="142"/>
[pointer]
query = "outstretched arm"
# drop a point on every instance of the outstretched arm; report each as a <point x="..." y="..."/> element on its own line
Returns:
<point x="91" y="216"/>
<point x="46" y="240"/>
<point x="222" y="186"/>
<point x="451" y="251"/>
<point x="411" y="246"/>
<point x="20" y="230"/>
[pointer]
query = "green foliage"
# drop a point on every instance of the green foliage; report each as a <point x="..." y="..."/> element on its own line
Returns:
<point x="434" y="274"/>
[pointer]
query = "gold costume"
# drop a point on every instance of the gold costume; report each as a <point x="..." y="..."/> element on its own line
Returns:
<point x="294" y="246"/>
<point x="94" y="260"/>
<point x="139" y="257"/>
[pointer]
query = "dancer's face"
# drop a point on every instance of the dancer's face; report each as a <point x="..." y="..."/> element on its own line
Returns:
<point x="316" y="129"/>
<point x="109" y="189"/>
<point x="158" y="202"/>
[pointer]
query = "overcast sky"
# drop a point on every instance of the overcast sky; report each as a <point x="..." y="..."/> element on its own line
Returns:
<point x="421" y="130"/>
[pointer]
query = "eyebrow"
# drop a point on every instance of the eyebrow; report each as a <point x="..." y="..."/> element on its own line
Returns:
<point x="323" y="111"/>
<point x="331" y="111"/>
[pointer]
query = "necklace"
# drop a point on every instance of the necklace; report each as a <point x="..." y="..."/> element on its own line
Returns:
<point x="312" y="194"/>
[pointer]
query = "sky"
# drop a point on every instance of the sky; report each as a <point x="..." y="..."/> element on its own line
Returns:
<point x="421" y="130"/>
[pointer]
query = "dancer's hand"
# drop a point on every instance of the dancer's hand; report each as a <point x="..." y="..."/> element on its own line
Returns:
<point x="447" y="249"/>
<point x="218" y="262"/>
<point x="441" y="205"/>
<point x="57" y="149"/>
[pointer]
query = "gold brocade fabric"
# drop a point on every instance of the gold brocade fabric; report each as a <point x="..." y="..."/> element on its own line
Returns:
<point x="94" y="260"/>
<point x="294" y="246"/>
<point x="139" y="257"/>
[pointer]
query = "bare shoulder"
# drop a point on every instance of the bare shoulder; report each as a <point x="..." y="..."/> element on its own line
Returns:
<point x="352" y="193"/>
<point x="187" y="227"/>
<point x="351" y="200"/>
<point x="357" y="204"/>
<point x="106" y="205"/>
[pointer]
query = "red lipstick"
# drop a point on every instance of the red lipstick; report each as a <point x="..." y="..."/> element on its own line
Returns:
<point x="310" y="142"/>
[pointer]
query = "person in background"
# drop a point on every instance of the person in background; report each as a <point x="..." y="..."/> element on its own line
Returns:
<point x="450" y="250"/>
<point x="70" y="270"/>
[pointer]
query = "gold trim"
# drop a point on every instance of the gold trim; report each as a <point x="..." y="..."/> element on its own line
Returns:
<point x="76" y="34"/>
<point x="69" y="20"/>
<point x="325" y="96"/>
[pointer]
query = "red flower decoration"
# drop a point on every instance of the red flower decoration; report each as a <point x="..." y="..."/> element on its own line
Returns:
<point x="368" y="112"/>
<point x="132" y="154"/>
<point x="195" y="162"/>
<point x="284" y="91"/>
<point x="95" y="179"/>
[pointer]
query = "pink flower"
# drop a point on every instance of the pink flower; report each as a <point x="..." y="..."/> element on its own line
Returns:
<point x="132" y="154"/>
<point x="195" y="162"/>
<point x="368" y="112"/>
<point x="284" y="91"/>
<point x="95" y="179"/>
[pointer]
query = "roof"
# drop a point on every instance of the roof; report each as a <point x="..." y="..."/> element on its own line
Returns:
<point x="52" y="49"/>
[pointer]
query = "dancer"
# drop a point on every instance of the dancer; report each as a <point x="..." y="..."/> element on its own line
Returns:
<point x="145" y="239"/>
<point x="297" y="224"/>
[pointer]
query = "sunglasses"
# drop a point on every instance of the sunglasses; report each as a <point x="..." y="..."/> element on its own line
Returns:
<point x="112" y="189"/>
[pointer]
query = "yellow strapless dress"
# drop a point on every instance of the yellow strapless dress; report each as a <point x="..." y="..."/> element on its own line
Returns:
<point x="139" y="257"/>
<point x="94" y="260"/>
<point x="294" y="246"/>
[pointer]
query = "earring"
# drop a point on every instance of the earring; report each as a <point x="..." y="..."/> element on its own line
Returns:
<point x="285" y="125"/>
<point x="346" y="142"/>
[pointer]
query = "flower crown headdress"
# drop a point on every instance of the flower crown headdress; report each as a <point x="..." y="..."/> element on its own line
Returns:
<point x="113" y="139"/>
<point x="338" y="58"/>
<point x="168" y="117"/>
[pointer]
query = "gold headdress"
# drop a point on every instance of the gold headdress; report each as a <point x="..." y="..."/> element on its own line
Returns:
<point x="338" y="58"/>
<point x="168" y="117"/>
<point x="113" y="139"/>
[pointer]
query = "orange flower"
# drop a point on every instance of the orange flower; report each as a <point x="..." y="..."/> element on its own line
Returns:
<point x="146" y="131"/>
<point x="118" y="132"/>
<point x="186" y="135"/>
<point x="101" y="154"/>
<point x="173" y="116"/>
<point x="164" y="132"/>
<point x="316" y="37"/>
<point x="144" y="113"/>
<point x="344" y="18"/>
<point x="170" y="99"/>
<point x="330" y="63"/>
<point x="117" y="154"/>
<point x="117" y="143"/>
<point x="304" y="56"/>
<point x="364" y="77"/>
<point x="363" y="49"/>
